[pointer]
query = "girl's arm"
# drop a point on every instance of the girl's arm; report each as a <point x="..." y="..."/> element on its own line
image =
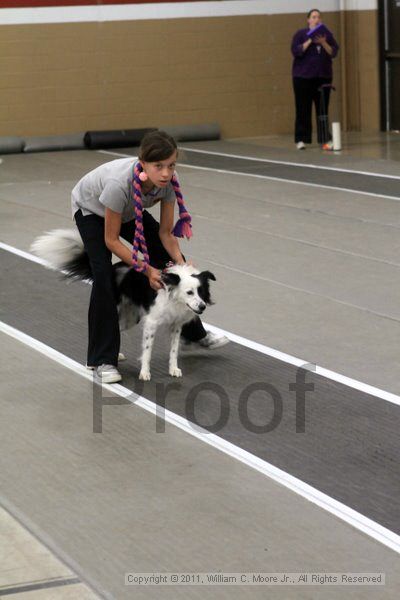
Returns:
<point x="112" y="230"/>
<point x="167" y="238"/>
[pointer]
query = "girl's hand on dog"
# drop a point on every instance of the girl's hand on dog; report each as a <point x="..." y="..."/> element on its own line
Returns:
<point x="154" y="277"/>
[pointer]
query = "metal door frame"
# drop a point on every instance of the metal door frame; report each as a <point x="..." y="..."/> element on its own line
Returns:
<point x="384" y="64"/>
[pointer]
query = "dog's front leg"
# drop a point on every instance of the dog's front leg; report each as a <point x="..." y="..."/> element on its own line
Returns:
<point x="149" y="331"/>
<point x="174" y="370"/>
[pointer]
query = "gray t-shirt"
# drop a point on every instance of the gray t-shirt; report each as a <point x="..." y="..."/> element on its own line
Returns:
<point x="110" y="186"/>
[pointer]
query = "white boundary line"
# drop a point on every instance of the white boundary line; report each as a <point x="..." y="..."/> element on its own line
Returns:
<point x="290" y="164"/>
<point x="298" y="362"/>
<point x="268" y="351"/>
<point x="269" y="177"/>
<point x="343" y="512"/>
<point x="297" y="181"/>
<point x="267" y="160"/>
<point x="23" y="254"/>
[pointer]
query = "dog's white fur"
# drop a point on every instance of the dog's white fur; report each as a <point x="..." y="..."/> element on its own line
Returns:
<point x="174" y="305"/>
<point x="185" y="293"/>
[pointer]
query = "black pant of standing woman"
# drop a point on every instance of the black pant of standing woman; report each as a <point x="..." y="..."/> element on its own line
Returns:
<point x="307" y="93"/>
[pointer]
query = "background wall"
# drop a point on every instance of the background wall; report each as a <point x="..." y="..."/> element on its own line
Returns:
<point x="64" y="77"/>
<point x="360" y="65"/>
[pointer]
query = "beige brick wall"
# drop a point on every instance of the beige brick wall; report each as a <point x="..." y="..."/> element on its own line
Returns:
<point x="64" y="78"/>
<point x="362" y="70"/>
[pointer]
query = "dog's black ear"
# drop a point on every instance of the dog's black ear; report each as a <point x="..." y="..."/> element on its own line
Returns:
<point x="208" y="275"/>
<point x="171" y="279"/>
<point x="204" y="288"/>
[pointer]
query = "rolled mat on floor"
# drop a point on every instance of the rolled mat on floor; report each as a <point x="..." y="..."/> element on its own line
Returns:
<point x="194" y="133"/>
<point x="115" y="138"/>
<point x="51" y="143"/>
<point x="11" y="144"/>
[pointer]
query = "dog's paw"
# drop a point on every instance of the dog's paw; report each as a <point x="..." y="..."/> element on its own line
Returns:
<point x="145" y="375"/>
<point x="175" y="372"/>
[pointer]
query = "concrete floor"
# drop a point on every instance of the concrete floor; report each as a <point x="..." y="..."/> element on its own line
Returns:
<point x="307" y="271"/>
<point x="375" y="152"/>
<point x="134" y="500"/>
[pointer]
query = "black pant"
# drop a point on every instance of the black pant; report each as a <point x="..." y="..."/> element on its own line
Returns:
<point x="307" y="92"/>
<point x="104" y="335"/>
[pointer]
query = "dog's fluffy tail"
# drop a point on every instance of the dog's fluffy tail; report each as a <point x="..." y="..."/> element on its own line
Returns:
<point x="63" y="250"/>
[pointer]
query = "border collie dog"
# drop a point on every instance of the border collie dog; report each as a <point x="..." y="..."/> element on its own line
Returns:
<point x="185" y="294"/>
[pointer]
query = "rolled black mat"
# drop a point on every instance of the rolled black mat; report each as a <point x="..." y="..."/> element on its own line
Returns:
<point x="119" y="138"/>
<point x="11" y="144"/>
<point x="51" y="143"/>
<point x="194" y="133"/>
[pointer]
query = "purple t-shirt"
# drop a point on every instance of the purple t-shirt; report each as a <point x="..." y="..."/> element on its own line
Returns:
<point x="315" y="61"/>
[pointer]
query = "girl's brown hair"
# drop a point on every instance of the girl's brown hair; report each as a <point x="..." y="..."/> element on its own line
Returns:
<point x="157" y="145"/>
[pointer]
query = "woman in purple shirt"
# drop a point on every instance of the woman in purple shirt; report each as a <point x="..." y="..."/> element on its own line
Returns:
<point x="312" y="77"/>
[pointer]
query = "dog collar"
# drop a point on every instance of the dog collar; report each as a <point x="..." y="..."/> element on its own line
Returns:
<point x="168" y="266"/>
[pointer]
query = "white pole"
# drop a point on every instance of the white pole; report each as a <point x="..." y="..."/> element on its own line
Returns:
<point x="336" y="136"/>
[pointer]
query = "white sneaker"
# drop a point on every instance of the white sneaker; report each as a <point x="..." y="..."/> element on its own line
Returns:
<point x="213" y="340"/>
<point x="300" y="146"/>
<point x="121" y="358"/>
<point x="107" y="374"/>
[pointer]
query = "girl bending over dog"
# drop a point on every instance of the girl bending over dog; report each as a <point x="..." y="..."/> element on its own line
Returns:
<point x="107" y="204"/>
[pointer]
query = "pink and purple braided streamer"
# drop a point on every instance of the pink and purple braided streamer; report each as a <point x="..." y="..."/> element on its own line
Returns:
<point x="139" y="242"/>
<point x="182" y="228"/>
